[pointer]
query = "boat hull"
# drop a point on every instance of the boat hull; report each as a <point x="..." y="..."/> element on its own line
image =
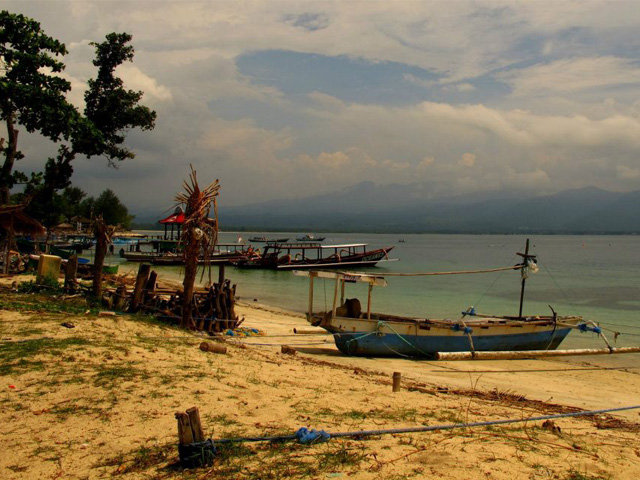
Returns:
<point x="364" y="259"/>
<point x="391" y="345"/>
<point x="421" y="338"/>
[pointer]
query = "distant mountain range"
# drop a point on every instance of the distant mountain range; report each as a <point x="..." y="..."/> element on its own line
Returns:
<point x="367" y="207"/>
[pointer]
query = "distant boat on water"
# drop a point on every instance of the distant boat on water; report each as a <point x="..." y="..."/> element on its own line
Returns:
<point x="263" y="239"/>
<point x="309" y="237"/>
<point x="291" y="256"/>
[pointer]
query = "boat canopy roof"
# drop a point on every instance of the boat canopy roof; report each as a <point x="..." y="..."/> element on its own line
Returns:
<point x="349" y="277"/>
<point x="314" y="246"/>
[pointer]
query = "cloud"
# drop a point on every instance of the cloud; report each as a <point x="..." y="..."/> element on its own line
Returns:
<point x="550" y="92"/>
<point x="468" y="160"/>
<point x="136" y="79"/>
<point x="572" y="75"/>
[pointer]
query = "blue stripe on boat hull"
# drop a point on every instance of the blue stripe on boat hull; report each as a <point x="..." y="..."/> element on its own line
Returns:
<point x="390" y="345"/>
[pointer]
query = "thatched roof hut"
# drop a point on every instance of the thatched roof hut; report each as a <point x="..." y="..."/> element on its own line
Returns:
<point x="14" y="220"/>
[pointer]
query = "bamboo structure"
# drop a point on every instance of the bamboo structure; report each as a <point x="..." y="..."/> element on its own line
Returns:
<point x="212" y="309"/>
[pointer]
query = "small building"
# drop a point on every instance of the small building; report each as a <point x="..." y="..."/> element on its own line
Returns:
<point x="175" y="220"/>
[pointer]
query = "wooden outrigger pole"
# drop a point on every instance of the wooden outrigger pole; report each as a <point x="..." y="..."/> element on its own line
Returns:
<point x="525" y="263"/>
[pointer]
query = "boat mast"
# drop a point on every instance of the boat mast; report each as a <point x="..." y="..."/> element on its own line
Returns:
<point x="525" y="262"/>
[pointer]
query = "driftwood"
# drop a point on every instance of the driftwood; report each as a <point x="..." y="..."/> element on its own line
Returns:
<point x="213" y="347"/>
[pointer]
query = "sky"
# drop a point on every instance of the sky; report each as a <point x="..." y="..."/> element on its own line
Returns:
<point x="288" y="99"/>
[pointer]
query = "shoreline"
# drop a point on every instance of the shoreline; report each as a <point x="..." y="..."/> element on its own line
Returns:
<point x="98" y="401"/>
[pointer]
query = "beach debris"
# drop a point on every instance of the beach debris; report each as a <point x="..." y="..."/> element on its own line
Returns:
<point x="287" y="350"/>
<point x="301" y="331"/>
<point x="213" y="348"/>
<point x="212" y="308"/>
<point x="68" y="325"/>
<point x="551" y="426"/>
<point x="106" y="314"/>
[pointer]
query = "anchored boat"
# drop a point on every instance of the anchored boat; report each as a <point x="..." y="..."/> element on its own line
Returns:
<point x="294" y="256"/>
<point x="363" y="332"/>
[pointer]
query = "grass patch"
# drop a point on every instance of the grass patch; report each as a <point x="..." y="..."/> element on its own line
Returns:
<point x="109" y="376"/>
<point x="46" y="303"/>
<point x="17" y="357"/>
<point x="576" y="475"/>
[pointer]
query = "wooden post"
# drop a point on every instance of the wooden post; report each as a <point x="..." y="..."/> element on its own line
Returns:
<point x="119" y="297"/>
<point x="196" y="427"/>
<point x="185" y="435"/>
<point x="311" y="277"/>
<point x="221" y="274"/>
<point x="397" y="378"/>
<point x="70" y="274"/>
<point x="141" y="281"/>
<point x="335" y="298"/>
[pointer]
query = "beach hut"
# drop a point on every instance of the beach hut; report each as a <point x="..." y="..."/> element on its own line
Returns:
<point x="82" y="224"/>
<point x="13" y="220"/>
<point x="176" y="219"/>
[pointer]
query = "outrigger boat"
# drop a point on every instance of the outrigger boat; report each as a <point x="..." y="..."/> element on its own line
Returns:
<point x="366" y="333"/>
<point x="224" y="254"/>
<point x="294" y="256"/>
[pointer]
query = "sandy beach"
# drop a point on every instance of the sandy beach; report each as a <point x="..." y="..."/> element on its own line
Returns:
<point x="98" y="401"/>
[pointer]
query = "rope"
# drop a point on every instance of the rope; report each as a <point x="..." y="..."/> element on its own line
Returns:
<point x="461" y="272"/>
<point x="368" y="433"/>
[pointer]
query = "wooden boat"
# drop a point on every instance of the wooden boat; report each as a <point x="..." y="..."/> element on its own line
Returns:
<point x="225" y="254"/>
<point x="157" y="249"/>
<point x="310" y="237"/>
<point x="293" y="256"/>
<point x="139" y="256"/>
<point x="377" y="334"/>
<point x="263" y="239"/>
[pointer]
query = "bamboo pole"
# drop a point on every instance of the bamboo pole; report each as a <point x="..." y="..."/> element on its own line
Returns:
<point x="514" y="355"/>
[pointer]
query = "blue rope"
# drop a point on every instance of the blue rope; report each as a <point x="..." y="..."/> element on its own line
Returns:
<point x="367" y="433"/>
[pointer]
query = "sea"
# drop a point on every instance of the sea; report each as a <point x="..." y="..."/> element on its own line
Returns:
<point x="597" y="277"/>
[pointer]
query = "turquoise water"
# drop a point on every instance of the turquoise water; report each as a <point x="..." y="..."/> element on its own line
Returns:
<point x="597" y="277"/>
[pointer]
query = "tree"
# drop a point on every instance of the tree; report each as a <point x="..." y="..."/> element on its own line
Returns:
<point x="110" y="112"/>
<point x="34" y="98"/>
<point x="112" y="210"/>
<point x="29" y="94"/>
<point x="109" y="106"/>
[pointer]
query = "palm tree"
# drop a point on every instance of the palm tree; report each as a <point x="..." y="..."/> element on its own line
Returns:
<point x="199" y="234"/>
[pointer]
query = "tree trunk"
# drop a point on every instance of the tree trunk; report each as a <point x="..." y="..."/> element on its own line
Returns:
<point x="103" y="234"/>
<point x="191" y="251"/>
<point x="10" y="155"/>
